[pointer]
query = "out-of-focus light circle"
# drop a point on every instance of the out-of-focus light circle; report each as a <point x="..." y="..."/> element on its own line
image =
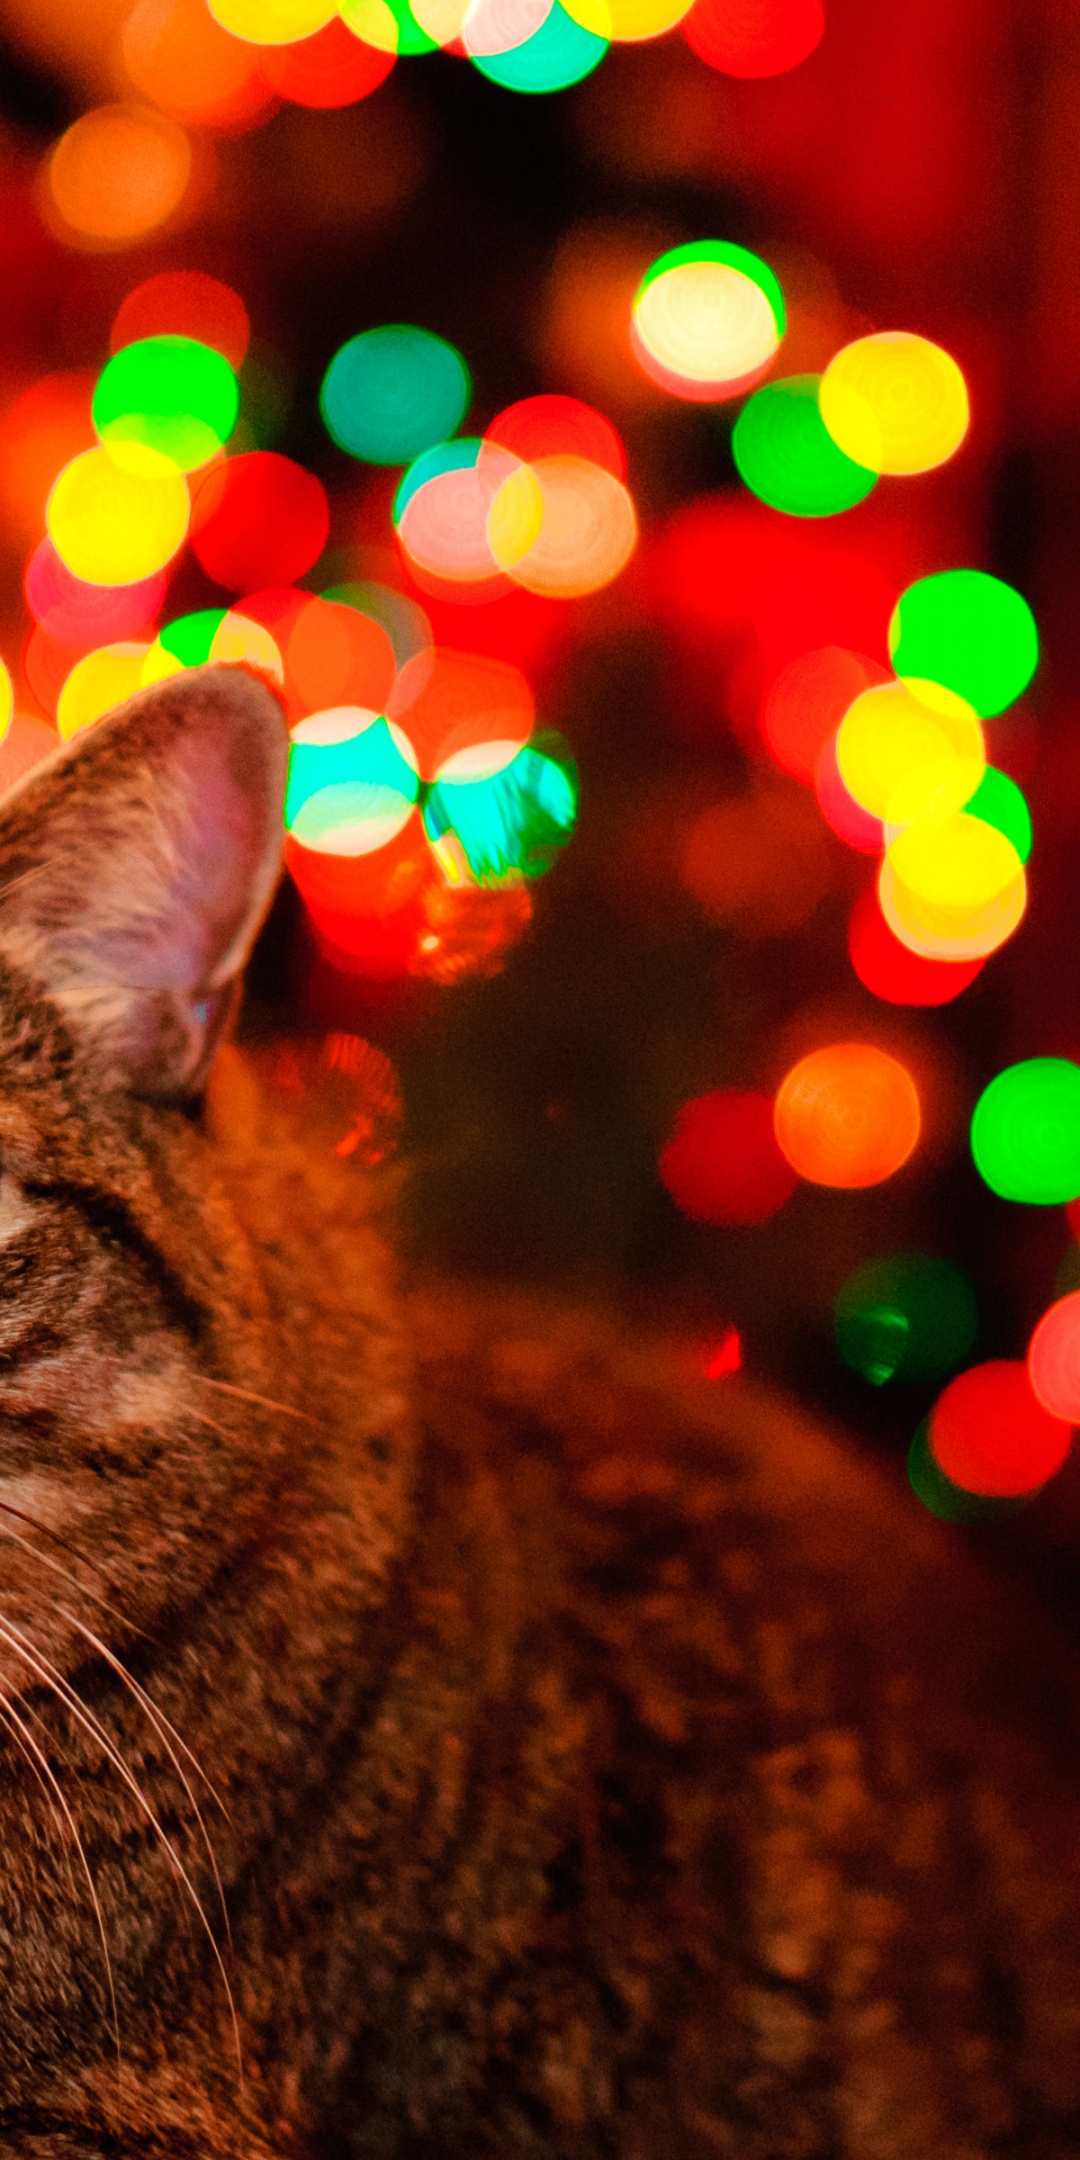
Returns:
<point x="895" y="402"/>
<point x="722" y="1163"/>
<point x="184" y="303"/>
<point x="952" y="887"/>
<point x="900" y="757"/>
<point x="272" y="22"/>
<point x="806" y="702"/>
<point x="331" y="68"/>
<point x="352" y="817"/>
<point x="443" y="505"/>
<point x="173" y="393"/>
<point x="509" y="824"/>
<point x="892" y="971"/>
<point x="559" y="53"/>
<point x="971" y="632"/>
<point x="629" y="22"/>
<point x="238" y="641"/>
<point x="213" y="635"/>
<point x="7" y="701"/>
<point x="448" y="702"/>
<point x="184" y="62"/>
<point x="1053" y="1359"/>
<point x="501" y="26"/>
<point x="557" y="426"/>
<point x="403" y="620"/>
<point x="371" y="883"/>
<point x="393" y="26"/>
<point x="990" y="1434"/>
<point x="998" y="801"/>
<point x="75" y="613"/>
<point x="847" y="1115"/>
<point x="588" y="531"/>
<point x="393" y="392"/>
<point x="97" y="683"/>
<point x="24" y="744"/>
<point x="40" y="432"/>
<point x="905" y="1317"/>
<point x="336" y="656"/>
<point x="754" y="37"/>
<point x="946" y="1500"/>
<point x="849" y="821"/>
<point x="119" y="172"/>
<point x="1025" y="1132"/>
<point x="349" y="747"/>
<point x="759" y="860"/>
<point x="113" y="523"/>
<point x="787" y="457"/>
<point x="707" y="319"/>
<point x="259" y="520"/>
<point x="515" y="518"/>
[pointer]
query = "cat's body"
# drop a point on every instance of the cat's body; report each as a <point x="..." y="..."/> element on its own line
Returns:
<point x="604" y="1765"/>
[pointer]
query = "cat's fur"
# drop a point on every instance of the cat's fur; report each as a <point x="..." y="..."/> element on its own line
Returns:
<point x="604" y="1765"/>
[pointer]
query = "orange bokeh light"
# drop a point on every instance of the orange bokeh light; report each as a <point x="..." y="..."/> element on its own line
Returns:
<point x="40" y="433"/>
<point x="183" y="60"/>
<point x="119" y="173"/>
<point x="847" y="1115"/>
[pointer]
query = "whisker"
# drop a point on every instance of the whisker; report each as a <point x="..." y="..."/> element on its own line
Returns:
<point x="56" y="1568"/>
<point x="247" y="1395"/>
<point x="45" y="1671"/>
<point x="50" y="1784"/>
<point x="32" y="1522"/>
<point x="166" y="1733"/>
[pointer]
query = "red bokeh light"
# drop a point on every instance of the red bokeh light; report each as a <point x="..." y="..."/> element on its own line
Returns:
<point x="448" y="701"/>
<point x="848" y="819"/>
<point x="184" y="303"/>
<point x="891" y="970"/>
<point x="258" y="520"/>
<point x="554" y="426"/>
<point x="754" y="37"/>
<point x="74" y="613"/>
<point x="331" y="67"/>
<point x="807" y="701"/>
<point x="990" y="1434"/>
<point x="722" y="1163"/>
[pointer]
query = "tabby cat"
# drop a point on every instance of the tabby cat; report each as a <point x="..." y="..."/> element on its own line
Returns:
<point x="438" y="1725"/>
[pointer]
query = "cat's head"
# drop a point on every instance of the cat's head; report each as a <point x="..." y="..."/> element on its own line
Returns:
<point x="136" y="866"/>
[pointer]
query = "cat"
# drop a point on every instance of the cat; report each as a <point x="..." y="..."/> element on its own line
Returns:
<point x="433" y="1722"/>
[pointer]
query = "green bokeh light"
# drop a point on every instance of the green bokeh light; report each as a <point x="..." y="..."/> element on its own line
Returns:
<point x="905" y="1316"/>
<point x="998" y="801"/>
<point x="969" y="631"/>
<point x="787" y="457"/>
<point x="172" y="393"/>
<point x="736" y="258"/>
<point x="514" y="823"/>
<point x="393" y="392"/>
<point x="561" y="52"/>
<point x="190" y="637"/>
<point x="948" y="1501"/>
<point x="1025" y="1133"/>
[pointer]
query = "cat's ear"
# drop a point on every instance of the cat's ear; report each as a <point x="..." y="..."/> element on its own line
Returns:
<point x="137" y="865"/>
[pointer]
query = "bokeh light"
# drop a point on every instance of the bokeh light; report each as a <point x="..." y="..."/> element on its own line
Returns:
<point x="24" y="744"/>
<point x="806" y="702"/>
<point x="892" y="971"/>
<point x="1025" y="1132"/>
<point x="442" y="508"/>
<point x="184" y="62"/>
<point x="334" y="655"/>
<point x="7" y="701"/>
<point x="272" y="22"/>
<point x="172" y="393"/>
<point x="393" y="392"/>
<point x="999" y="802"/>
<point x="754" y="37"/>
<point x="352" y="757"/>
<point x="895" y="402"/>
<point x="113" y="522"/>
<point x="628" y="22"/>
<point x="944" y="1499"/>
<point x="760" y="860"/>
<point x="905" y="1316"/>
<point x="559" y="53"/>
<point x="952" y="887"/>
<point x="989" y="1433"/>
<point x="98" y="682"/>
<point x="40" y="432"/>
<point x="119" y="172"/>
<point x="788" y="459"/>
<point x="184" y="303"/>
<point x="849" y="821"/>
<point x="707" y="319"/>
<point x="847" y="1115"/>
<point x="587" y="534"/>
<point x="259" y="520"/>
<point x="393" y="26"/>
<point x="330" y="68"/>
<point x="510" y="823"/>
<point x="219" y="635"/>
<point x="501" y="26"/>
<point x="722" y="1163"/>
<point x="557" y="426"/>
<point x="1053" y="1359"/>
<point x="449" y="702"/>
<point x="971" y="632"/>
<point x="75" y="613"/>
<point x="900" y="756"/>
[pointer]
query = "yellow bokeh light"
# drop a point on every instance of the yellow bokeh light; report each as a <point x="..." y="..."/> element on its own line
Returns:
<point x="374" y="22"/>
<point x="901" y="757"/>
<point x="895" y="402"/>
<point x="272" y="22"/>
<point x="440" y="20"/>
<point x="158" y="664"/>
<point x="628" y="21"/>
<point x="706" y="323"/>
<point x="588" y="533"/>
<point x="113" y="523"/>
<point x="96" y="683"/>
<point x="952" y="887"/>
<point x="7" y="701"/>
<point x="238" y="639"/>
<point x="515" y="517"/>
<point x="119" y="172"/>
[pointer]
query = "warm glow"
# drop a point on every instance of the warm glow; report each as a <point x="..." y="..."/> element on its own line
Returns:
<point x="847" y="1115"/>
<point x="119" y="173"/>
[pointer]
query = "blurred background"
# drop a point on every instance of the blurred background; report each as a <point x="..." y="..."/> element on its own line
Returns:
<point x="916" y="170"/>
